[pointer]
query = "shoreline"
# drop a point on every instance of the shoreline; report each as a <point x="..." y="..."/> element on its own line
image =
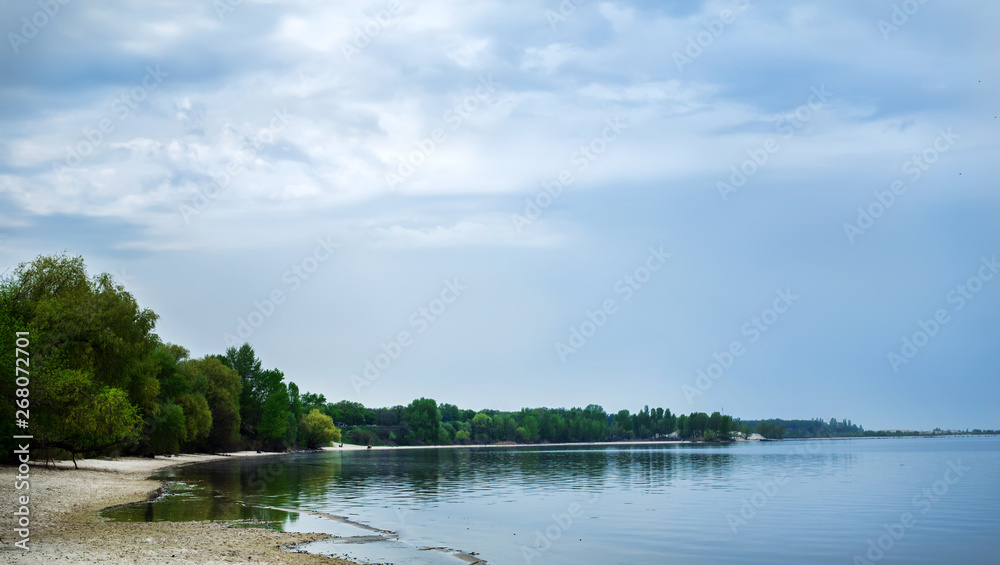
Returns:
<point x="65" y="524"/>
<point x="353" y="447"/>
<point x="65" y="503"/>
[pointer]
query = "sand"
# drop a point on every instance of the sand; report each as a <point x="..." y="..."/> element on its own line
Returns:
<point x="65" y="527"/>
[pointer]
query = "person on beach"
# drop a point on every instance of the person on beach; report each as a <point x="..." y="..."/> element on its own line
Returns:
<point x="369" y="447"/>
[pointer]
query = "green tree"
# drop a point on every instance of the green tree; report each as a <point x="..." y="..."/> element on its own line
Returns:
<point x="317" y="430"/>
<point x="481" y="425"/>
<point x="169" y="429"/>
<point x="221" y="387"/>
<point x="78" y="415"/>
<point x="10" y="324"/>
<point x="251" y="401"/>
<point x="348" y="413"/>
<point x="450" y="412"/>
<point x="715" y="422"/>
<point x="622" y="426"/>
<point x="310" y="401"/>
<point x="726" y="427"/>
<point x="293" y="415"/>
<point x="683" y="426"/>
<point x="89" y="338"/>
<point x="532" y="429"/>
<point x="274" y="415"/>
<point x="444" y="436"/>
<point x="197" y="417"/>
<point x="424" y="420"/>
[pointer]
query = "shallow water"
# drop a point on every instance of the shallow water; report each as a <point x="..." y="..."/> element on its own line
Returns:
<point x="924" y="500"/>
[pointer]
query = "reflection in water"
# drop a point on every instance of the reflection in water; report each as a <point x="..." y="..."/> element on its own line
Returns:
<point x="814" y="501"/>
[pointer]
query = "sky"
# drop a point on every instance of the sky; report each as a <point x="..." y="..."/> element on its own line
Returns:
<point x="775" y="209"/>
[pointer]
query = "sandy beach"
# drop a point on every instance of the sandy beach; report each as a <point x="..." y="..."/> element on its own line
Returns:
<point x="65" y="524"/>
<point x="65" y="527"/>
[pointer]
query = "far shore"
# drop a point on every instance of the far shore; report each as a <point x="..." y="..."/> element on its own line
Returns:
<point x="353" y="447"/>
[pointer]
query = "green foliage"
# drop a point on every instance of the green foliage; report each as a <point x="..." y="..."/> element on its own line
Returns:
<point x="349" y="413"/>
<point x="274" y="416"/>
<point x="10" y="324"/>
<point x="317" y="430"/>
<point x="816" y="427"/>
<point x="251" y="402"/>
<point x="444" y="437"/>
<point x="78" y="415"/>
<point x="450" y="412"/>
<point x="309" y="401"/>
<point x="165" y="358"/>
<point x="91" y="349"/>
<point x="169" y="429"/>
<point x="771" y="430"/>
<point x="221" y="387"/>
<point x="197" y="417"/>
<point x="424" y="420"/>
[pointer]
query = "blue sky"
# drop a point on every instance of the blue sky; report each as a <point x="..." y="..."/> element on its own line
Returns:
<point x="506" y="205"/>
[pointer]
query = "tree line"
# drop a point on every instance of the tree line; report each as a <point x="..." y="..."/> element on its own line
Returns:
<point x="425" y="422"/>
<point x="102" y="382"/>
<point x="96" y="380"/>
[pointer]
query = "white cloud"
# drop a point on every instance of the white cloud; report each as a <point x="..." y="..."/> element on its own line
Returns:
<point x="550" y="57"/>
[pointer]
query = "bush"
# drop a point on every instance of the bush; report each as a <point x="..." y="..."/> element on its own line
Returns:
<point x="317" y="430"/>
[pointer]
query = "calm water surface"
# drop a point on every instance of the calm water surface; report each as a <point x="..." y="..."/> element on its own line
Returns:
<point x="795" y="502"/>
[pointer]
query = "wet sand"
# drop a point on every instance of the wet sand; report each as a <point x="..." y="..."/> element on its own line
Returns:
<point x="65" y="523"/>
<point x="65" y="527"/>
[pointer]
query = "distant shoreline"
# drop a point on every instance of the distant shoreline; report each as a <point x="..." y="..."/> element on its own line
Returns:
<point x="354" y="447"/>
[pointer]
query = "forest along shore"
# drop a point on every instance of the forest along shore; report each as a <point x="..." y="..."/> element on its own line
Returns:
<point x="64" y="506"/>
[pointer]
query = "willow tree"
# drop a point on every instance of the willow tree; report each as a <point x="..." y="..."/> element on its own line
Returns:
<point x="317" y="430"/>
<point x="221" y="386"/>
<point x="92" y="375"/>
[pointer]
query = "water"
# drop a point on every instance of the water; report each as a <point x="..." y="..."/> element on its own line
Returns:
<point x="818" y="502"/>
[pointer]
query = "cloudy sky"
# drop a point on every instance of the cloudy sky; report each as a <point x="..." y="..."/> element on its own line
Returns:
<point x="782" y="209"/>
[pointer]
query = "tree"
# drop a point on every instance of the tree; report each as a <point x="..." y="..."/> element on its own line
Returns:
<point x="91" y="349"/>
<point x="317" y="430"/>
<point x="348" y="413"/>
<point x="444" y="436"/>
<point x="310" y="401"/>
<point x="165" y="357"/>
<point x="424" y="420"/>
<point x="274" y="415"/>
<point x="169" y="429"/>
<point x="684" y="426"/>
<point x="293" y="415"/>
<point x="197" y="417"/>
<point x="481" y="425"/>
<point x="221" y="386"/>
<point x="726" y="427"/>
<point x="245" y="362"/>
<point x="450" y="412"/>
<point x="10" y="324"/>
<point x="532" y="429"/>
<point x="80" y="416"/>
<point x="715" y="421"/>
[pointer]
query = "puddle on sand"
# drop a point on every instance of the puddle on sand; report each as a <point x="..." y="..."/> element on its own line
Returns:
<point x="364" y="544"/>
<point x="192" y="502"/>
<point x="387" y="550"/>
